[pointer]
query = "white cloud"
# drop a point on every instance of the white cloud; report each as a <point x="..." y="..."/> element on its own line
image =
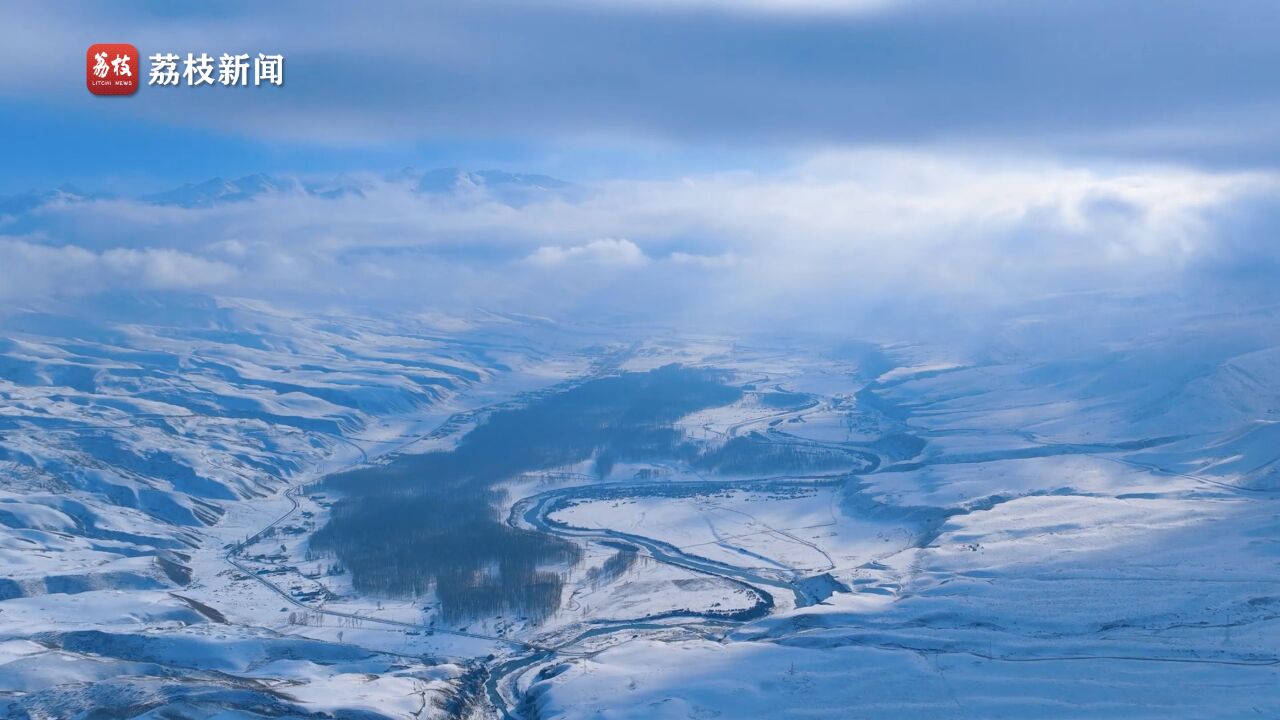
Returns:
<point x="839" y="237"/>
<point x="705" y="261"/>
<point x="605" y="251"/>
<point x="30" y="270"/>
<point x="781" y="7"/>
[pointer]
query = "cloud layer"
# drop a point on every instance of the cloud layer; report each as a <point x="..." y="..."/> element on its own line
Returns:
<point x="835" y="240"/>
<point x="1185" y="80"/>
<point x="30" y="272"/>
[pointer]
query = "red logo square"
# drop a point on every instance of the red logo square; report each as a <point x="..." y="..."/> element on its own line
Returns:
<point x="111" y="69"/>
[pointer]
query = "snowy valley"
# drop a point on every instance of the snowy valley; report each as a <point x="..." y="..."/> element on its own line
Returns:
<point x="855" y="530"/>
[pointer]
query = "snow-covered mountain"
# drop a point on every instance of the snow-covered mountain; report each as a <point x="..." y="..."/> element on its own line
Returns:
<point x="216" y="191"/>
<point x="505" y="187"/>
<point x="472" y="185"/>
<point x="22" y="203"/>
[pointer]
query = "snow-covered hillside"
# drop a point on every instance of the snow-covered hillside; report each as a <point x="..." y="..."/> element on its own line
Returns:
<point x="141" y="438"/>
<point x="1041" y="529"/>
<point x="1087" y="531"/>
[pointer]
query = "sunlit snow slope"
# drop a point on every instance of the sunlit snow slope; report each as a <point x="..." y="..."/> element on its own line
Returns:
<point x="140" y="437"/>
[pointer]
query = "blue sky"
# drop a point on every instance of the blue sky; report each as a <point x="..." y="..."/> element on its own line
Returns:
<point x="98" y="149"/>
<point x="643" y="87"/>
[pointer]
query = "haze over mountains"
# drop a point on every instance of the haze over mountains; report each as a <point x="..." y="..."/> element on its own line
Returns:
<point x="494" y="185"/>
<point x="896" y="242"/>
